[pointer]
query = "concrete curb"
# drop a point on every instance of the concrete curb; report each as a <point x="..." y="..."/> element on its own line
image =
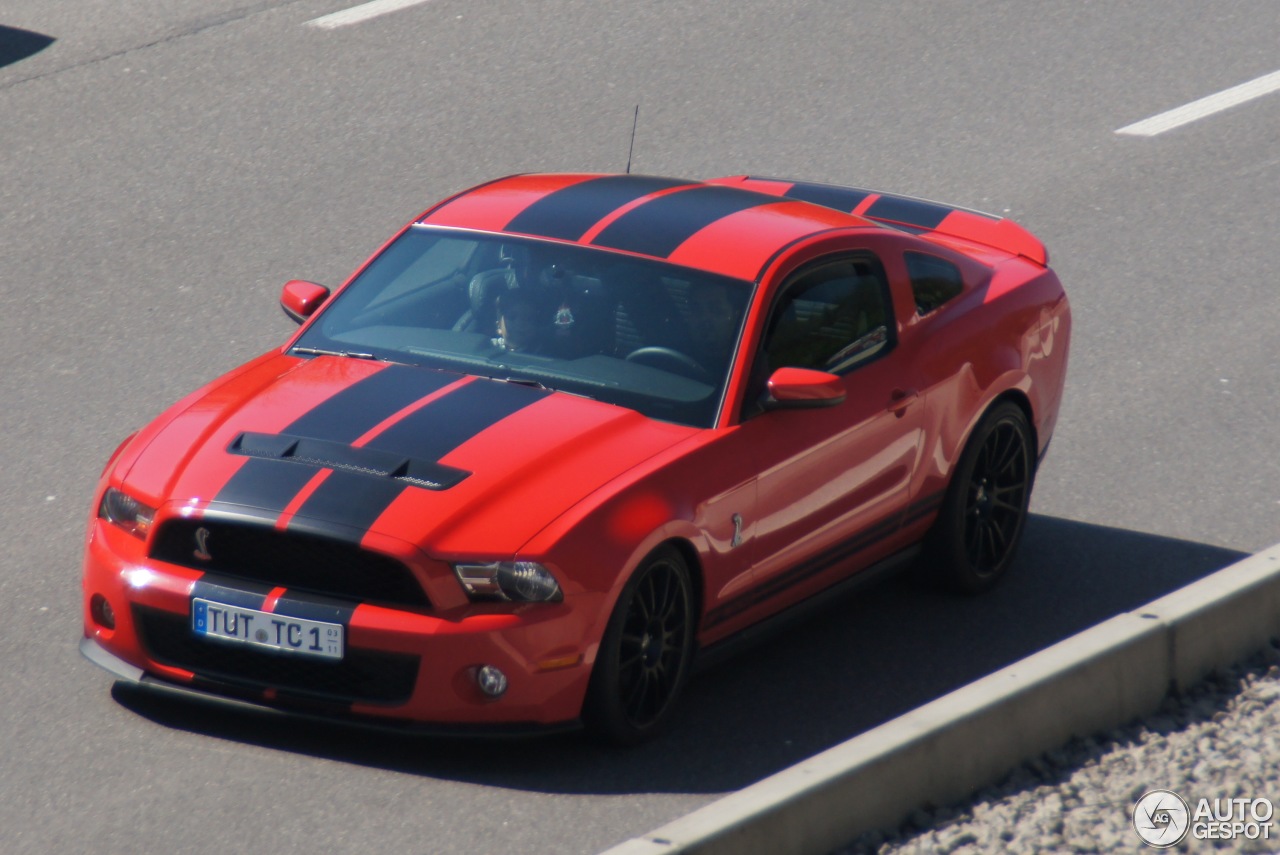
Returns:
<point x="942" y="752"/>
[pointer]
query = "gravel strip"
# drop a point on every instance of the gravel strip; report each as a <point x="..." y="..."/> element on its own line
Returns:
<point x="1220" y="740"/>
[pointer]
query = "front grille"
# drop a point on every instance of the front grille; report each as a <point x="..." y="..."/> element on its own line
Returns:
<point x="362" y="675"/>
<point x="293" y="560"/>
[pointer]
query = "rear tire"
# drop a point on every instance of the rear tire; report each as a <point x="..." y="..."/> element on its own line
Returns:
<point x="644" y="656"/>
<point x="976" y="536"/>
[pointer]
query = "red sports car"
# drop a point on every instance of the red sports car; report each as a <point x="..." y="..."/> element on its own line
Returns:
<point x="564" y="432"/>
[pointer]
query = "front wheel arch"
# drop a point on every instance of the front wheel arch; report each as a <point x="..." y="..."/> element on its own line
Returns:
<point x="646" y="652"/>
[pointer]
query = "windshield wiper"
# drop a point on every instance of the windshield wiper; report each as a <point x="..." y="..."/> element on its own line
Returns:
<point x="319" y="351"/>
<point x="523" y="381"/>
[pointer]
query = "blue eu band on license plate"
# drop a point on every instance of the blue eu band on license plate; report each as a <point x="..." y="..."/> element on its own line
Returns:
<point x="310" y="638"/>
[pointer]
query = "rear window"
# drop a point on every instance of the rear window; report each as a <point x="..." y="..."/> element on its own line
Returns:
<point x="933" y="281"/>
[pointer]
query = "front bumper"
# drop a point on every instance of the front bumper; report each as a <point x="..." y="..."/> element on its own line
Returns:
<point x="128" y="674"/>
<point x="409" y="670"/>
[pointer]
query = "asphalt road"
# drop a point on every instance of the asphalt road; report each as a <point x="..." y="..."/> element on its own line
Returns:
<point x="165" y="166"/>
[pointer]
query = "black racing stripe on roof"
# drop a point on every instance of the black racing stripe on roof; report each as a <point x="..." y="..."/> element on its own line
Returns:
<point x="344" y="417"/>
<point x="912" y="212"/>
<point x="659" y="226"/>
<point x="569" y="213"/>
<point x="356" y="501"/>
<point x="828" y="196"/>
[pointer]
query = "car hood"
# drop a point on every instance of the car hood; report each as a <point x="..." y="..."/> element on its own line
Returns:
<point x="452" y="463"/>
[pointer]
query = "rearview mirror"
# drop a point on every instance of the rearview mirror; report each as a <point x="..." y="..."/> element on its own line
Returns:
<point x="300" y="298"/>
<point x="802" y="388"/>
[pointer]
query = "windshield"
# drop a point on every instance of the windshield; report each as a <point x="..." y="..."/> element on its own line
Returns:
<point x="637" y="333"/>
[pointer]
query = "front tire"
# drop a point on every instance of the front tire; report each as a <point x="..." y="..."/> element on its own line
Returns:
<point x="644" y="656"/>
<point x="978" y="529"/>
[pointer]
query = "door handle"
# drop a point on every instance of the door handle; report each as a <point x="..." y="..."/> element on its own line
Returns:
<point x="900" y="399"/>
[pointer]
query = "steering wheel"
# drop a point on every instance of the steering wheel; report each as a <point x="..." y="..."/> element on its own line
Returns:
<point x="669" y="359"/>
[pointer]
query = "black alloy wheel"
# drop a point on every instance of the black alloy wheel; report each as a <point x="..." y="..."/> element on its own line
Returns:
<point x="982" y="518"/>
<point x="644" y="656"/>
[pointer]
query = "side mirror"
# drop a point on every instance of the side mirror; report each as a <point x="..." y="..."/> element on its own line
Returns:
<point x="802" y="388"/>
<point x="300" y="298"/>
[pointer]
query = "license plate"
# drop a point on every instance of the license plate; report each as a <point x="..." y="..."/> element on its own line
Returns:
<point x="311" y="638"/>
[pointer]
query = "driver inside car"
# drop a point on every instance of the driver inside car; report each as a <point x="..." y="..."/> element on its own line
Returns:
<point x="522" y="325"/>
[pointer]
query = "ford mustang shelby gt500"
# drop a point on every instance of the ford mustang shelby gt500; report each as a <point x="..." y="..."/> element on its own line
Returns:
<point x="562" y="432"/>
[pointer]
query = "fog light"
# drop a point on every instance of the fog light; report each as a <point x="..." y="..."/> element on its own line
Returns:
<point x="102" y="612"/>
<point x="491" y="681"/>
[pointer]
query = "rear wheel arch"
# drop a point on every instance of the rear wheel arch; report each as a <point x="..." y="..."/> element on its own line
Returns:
<point x="974" y="538"/>
<point x="1019" y="397"/>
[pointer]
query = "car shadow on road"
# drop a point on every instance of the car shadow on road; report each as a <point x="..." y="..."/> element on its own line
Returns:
<point x="17" y="45"/>
<point x="865" y="660"/>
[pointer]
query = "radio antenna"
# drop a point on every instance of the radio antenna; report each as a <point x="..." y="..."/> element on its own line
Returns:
<point x="634" y="120"/>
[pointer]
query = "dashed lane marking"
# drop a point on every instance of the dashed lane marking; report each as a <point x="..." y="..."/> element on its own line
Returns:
<point x="363" y="12"/>
<point x="1206" y="106"/>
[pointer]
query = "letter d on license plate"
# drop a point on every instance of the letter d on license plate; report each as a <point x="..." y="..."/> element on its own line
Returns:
<point x="311" y="638"/>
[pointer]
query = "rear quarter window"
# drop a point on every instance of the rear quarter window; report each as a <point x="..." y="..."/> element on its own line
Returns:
<point x="934" y="281"/>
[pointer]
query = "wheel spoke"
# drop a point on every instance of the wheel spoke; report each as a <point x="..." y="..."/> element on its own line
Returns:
<point x="1008" y="451"/>
<point x="648" y="598"/>
<point x="663" y="604"/>
<point x="980" y="466"/>
<point x="973" y="542"/>
<point x="1009" y="507"/>
<point x="635" y="695"/>
<point x="999" y="541"/>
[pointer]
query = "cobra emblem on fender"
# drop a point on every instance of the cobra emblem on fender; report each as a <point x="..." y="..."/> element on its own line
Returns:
<point x="202" y="544"/>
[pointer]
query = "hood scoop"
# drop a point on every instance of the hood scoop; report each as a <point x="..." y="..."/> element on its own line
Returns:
<point x="427" y="474"/>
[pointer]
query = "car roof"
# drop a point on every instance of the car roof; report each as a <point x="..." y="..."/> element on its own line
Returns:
<point x="707" y="225"/>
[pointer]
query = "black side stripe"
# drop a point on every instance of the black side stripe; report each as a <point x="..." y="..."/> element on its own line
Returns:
<point x="570" y="213"/>
<point x="272" y="484"/>
<point x="823" y="561"/>
<point x="356" y="501"/>
<point x="923" y="508"/>
<point x="659" y="226"/>
<point x="828" y="196"/>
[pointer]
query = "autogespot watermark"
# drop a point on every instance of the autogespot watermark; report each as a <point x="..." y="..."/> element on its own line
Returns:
<point x="1163" y="818"/>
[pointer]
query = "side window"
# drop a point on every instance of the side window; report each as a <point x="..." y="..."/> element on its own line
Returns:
<point x="832" y="318"/>
<point x="933" y="281"/>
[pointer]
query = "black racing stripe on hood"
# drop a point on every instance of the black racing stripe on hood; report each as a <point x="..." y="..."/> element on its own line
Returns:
<point x="356" y="501"/>
<point x="659" y="226"/>
<point x="327" y="611"/>
<point x="569" y="213"/>
<point x="336" y="455"/>
<point x="245" y="594"/>
<point x="844" y="199"/>
<point x="343" y="418"/>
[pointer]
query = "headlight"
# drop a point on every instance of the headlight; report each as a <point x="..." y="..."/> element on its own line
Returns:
<point x="123" y="510"/>
<point x="514" y="581"/>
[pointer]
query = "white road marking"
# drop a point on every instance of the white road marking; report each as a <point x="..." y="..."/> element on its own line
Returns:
<point x="363" y="12"/>
<point x="1206" y="106"/>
